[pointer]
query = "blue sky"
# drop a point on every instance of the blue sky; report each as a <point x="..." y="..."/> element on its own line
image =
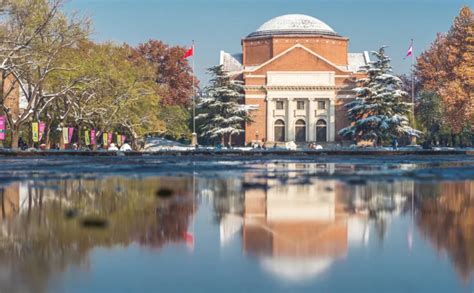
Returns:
<point x="220" y="24"/>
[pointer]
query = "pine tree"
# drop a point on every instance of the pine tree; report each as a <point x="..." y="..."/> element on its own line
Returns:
<point x="379" y="111"/>
<point x="223" y="114"/>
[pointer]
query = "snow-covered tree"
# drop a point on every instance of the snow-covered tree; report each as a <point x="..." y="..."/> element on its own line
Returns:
<point x="222" y="112"/>
<point x="380" y="110"/>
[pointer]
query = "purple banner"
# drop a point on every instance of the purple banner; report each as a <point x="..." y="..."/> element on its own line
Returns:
<point x="111" y="135"/>
<point x="71" y="132"/>
<point x="92" y="136"/>
<point x="42" y="127"/>
<point x="124" y="138"/>
<point x="2" y="127"/>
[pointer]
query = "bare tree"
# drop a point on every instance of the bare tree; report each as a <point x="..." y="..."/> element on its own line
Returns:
<point x="33" y="35"/>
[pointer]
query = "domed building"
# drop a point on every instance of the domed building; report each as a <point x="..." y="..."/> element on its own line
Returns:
<point x="299" y="73"/>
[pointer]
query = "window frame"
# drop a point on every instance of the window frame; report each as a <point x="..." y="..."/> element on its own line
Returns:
<point x="322" y="103"/>
<point x="300" y="127"/>
<point x="280" y="125"/>
<point x="282" y="103"/>
<point x="298" y="103"/>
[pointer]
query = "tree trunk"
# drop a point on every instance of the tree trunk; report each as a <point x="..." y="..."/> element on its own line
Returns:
<point x="15" y="137"/>
<point x="47" y="137"/>
<point x="62" y="145"/>
<point x="79" y="137"/>
<point x="230" y="140"/>
<point x="31" y="143"/>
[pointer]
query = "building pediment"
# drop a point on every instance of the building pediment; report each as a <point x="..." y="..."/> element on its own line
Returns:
<point x="297" y="58"/>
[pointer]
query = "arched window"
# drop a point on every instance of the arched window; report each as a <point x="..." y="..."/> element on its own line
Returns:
<point x="300" y="131"/>
<point x="279" y="130"/>
<point x="321" y="131"/>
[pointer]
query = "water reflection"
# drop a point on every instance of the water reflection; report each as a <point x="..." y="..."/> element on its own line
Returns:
<point x="46" y="232"/>
<point x="298" y="229"/>
<point x="447" y="219"/>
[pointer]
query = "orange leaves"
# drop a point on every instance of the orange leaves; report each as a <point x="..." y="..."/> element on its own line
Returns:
<point x="447" y="68"/>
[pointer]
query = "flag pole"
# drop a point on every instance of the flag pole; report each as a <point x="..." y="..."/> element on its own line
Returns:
<point x="194" y="141"/>
<point x="413" y="142"/>
<point x="413" y="80"/>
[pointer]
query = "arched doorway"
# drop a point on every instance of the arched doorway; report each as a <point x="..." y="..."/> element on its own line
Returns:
<point x="300" y="131"/>
<point x="321" y="131"/>
<point x="279" y="131"/>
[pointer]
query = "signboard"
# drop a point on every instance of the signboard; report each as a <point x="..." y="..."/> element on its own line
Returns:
<point x="2" y="127"/>
<point x="87" y="138"/>
<point x="93" y="142"/>
<point x="105" y="139"/>
<point x="66" y="135"/>
<point x="119" y="139"/>
<point x="34" y="131"/>
<point x="42" y="127"/>
<point x="71" y="132"/>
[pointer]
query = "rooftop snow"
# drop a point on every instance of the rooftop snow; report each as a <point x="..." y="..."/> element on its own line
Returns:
<point x="232" y="62"/>
<point x="356" y="61"/>
<point x="293" y="24"/>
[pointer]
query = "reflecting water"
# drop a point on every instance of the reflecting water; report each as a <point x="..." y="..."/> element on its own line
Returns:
<point x="273" y="228"/>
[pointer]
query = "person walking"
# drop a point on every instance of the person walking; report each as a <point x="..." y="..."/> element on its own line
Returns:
<point x="395" y="144"/>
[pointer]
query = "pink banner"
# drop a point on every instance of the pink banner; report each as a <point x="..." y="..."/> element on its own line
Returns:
<point x="2" y="127"/>
<point x="110" y="137"/>
<point x="124" y="138"/>
<point x="71" y="132"/>
<point x="92" y="136"/>
<point x="42" y="127"/>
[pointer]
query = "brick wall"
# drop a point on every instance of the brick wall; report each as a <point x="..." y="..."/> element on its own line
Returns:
<point x="256" y="130"/>
<point x="259" y="50"/>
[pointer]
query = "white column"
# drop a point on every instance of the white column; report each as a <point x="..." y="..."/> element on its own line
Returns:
<point x="270" y="136"/>
<point x="332" y="120"/>
<point x="290" y="120"/>
<point x="311" y="123"/>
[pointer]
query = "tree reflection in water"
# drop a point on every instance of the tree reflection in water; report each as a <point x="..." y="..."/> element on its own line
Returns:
<point x="295" y="226"/>
<point x="42" y="231"/>
<point x="446" y="218"/>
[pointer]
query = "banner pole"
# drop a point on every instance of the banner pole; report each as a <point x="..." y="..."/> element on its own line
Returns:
<point x="194" y="141"/>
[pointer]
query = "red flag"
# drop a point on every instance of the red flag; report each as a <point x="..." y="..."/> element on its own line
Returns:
<point x="188" y="53"/>
<point x="189" y="239"/>
<point x="410" y="50"/>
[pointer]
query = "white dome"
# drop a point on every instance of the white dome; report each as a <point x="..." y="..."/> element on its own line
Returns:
<point x="296" y="269"/>
<point x="293" y="24"/>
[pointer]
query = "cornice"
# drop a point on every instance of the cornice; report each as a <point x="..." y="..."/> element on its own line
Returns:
<point x="296" y="88"/>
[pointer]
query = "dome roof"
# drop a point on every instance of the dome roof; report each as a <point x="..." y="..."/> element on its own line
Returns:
<point x="294" y="24"/>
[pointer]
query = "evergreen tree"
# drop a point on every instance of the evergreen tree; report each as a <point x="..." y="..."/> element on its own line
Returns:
<point x="430" y="117"/>
<point x="222" y="112"/>
<point x="379" y="111"/>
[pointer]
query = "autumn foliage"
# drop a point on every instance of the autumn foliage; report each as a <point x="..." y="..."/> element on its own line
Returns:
<point x="447" y="68"/>
<point x="173" y="74"/>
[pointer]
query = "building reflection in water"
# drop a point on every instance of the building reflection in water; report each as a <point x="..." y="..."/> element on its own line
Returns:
<point x="298" y="230"/>
<point x="296" y="226"/>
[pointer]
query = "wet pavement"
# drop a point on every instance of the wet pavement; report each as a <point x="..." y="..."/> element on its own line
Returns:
<point x="233" y="224"/>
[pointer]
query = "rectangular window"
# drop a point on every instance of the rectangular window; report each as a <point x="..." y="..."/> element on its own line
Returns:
<point x="300" y="105"/>
<point x="321" y="105"/>
<point x="280" y="105"/>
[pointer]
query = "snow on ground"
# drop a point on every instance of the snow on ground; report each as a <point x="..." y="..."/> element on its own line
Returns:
<point x="155" y="144"/>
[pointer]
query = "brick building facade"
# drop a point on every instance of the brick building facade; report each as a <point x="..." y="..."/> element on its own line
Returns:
<point x="299" y="72"/>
